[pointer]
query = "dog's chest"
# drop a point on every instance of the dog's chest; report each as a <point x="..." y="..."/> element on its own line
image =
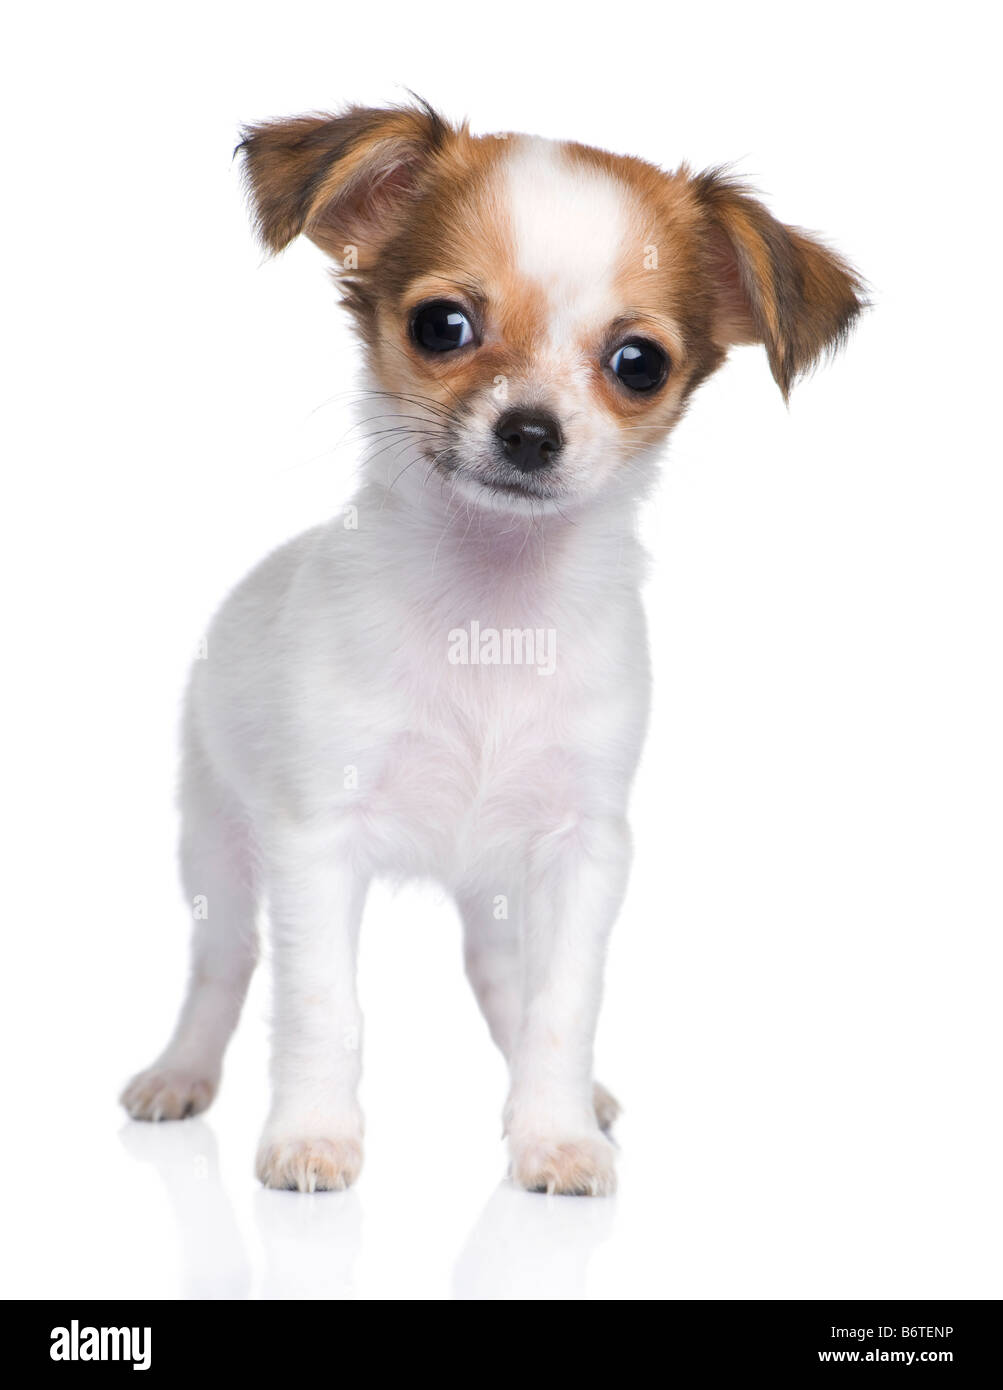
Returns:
<point x="496" y="734"/>
<point x="478" y="711"/>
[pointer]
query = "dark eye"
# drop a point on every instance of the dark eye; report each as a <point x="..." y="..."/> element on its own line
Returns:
<point x="441" y="327"/>
<point x="640" y="365"/>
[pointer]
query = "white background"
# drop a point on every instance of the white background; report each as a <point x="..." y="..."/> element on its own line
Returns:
<point x="802" y="1015"/>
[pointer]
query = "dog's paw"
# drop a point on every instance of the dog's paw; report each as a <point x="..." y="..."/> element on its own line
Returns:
<point x="606" y="1106"/>
<point x="309" y="1165"/>
<point x="580" y="1167"/>
<point x="167" y="1093"/>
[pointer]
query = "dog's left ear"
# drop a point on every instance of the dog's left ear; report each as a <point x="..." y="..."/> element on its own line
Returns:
<point x="774" y="284"/>
<point x="343" y="181"/>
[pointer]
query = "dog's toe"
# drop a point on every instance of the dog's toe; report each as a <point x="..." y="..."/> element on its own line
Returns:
<point x="167" y="1093"/>
<point x="309" y="1165"/>
<point x="579" y="1167"/>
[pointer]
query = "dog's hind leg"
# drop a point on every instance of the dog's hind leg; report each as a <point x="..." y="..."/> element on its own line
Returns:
<point x="219" y="880"/>
<point x="491" y="957"/>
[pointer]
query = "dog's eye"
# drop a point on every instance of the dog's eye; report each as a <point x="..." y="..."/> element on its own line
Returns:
<point x="640" y="365"/>
<point x="441" y="327"/>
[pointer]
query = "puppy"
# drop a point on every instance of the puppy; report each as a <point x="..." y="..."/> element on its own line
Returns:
<point x="451" y="679"/>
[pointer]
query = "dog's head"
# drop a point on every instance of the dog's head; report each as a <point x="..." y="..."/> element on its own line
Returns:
<point x="541" y="311"/>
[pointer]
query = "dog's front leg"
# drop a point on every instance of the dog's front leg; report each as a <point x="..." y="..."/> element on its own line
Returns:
<point x="575" y="883"/>
<point x="313" y="1138"/>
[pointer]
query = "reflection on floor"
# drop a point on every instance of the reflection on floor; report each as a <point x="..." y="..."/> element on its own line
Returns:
<point x="522" y="1246"/>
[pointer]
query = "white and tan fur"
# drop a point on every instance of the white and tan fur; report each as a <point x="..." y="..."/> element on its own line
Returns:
<point x="328" y="739"/>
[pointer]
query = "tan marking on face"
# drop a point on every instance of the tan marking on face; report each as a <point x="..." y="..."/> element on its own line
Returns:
<point x="462" y="251"/>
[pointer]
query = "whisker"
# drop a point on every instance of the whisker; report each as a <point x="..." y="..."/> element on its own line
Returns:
<point x="434" y="430"/>
<point x="367" y="392"/>
<point x="418" y="456"/>
<point x="372" y="457"/>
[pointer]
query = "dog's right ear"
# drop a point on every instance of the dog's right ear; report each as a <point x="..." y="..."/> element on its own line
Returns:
<point x="344" y="181"/>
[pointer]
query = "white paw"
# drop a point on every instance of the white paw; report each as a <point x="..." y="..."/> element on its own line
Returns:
<point x="574" y="1167"/>
<point x="168" y="1093"/>
<point x="309" y="1165"/>
<point x="606" y="1106"/>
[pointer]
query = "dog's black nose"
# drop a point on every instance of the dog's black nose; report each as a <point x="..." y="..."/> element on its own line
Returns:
<point x="530" y="439"/>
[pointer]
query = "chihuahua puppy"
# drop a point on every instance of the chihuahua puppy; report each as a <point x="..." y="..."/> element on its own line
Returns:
<point x="451" y="680"/>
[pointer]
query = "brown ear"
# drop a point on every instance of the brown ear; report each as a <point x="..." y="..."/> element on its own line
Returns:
<point x="341" y="180"/>
<point x="774" y="284"/>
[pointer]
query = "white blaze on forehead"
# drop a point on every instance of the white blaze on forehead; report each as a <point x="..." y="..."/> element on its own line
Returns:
<point x="570" y="224"/>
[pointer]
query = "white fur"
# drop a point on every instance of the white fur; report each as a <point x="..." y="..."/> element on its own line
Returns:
<point x="545" y="196"/>
<point x="330" y="739"/>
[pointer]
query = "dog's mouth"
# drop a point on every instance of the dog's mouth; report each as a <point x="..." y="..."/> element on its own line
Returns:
<point x="496" y="479"/>
<point x="512" y="487"/>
